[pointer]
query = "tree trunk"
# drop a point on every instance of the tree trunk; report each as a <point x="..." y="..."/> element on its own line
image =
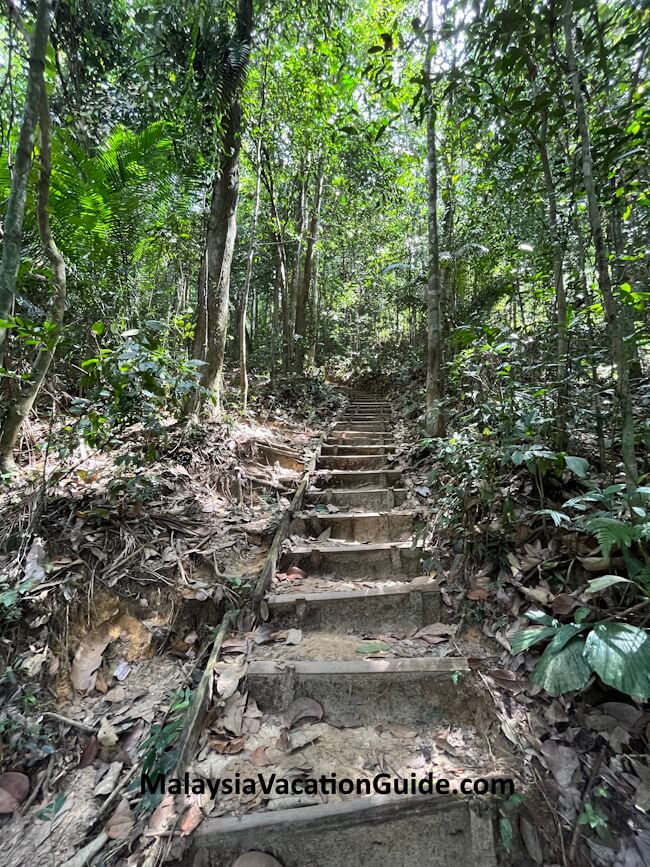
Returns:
<point x="602" y="264"/>
<point x="14" y="215"/>
<point x="314" y="308"/>
<point x="300" y="346"/>
<point x="243" y="362"/>
<point x="22" y="405"/>
<point x="562" y="405"/>
<point x="301" y="228"/>
<point x="434" y="418"/>
<point x="222" y="223"/>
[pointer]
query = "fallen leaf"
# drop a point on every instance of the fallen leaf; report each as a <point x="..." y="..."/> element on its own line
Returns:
<point x="7" y="802"/>
<point x="397" y="730"/>
<point x="108" y="782"/>
<point x="89" y="753"/>
<point x="372" y="647"/>
<point x="258" y="757"/>
<point x="302" y="709"/>
<point x="561" y="761"/>
<point x="229" y="678"/>
<point x="190" y="820"/>
<point x="121" y="822"/>
<point x="478" y="595"/>
<point x="227" y="747"/>
<point x="563" y="605"/>
<point x="294" y="636"/>
<point x="88" y="656"/>
<point x="290" y="741"/>
<point x="15" y="784"/>
<point x="35" y="562"/>
<point x="296" y="572"/>
<point x="162" y="818"/>
<point x="531" y="840"/>
<point x="325" y="535"/>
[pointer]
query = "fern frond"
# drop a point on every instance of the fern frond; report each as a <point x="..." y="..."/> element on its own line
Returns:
<point x="611" y="532"/>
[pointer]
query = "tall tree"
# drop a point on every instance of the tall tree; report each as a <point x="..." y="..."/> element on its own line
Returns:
<point x="15" y="212"/>
<point x="612" y="315"/>
<point x="434" y="417"/>
<point x="214" y="280"/>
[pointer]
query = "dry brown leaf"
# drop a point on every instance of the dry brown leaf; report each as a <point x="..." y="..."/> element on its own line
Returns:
<point x="258" y="757"/>
<point x="302" y="709"/>
<point x="162" y="818"/>
<point x="7" y="802"/>
<point x="229" y="678"/>
<point x="478" y="595"/>
<point x="120" y="824"/>
<point x="290" y="741"/>
<point x="15" y="784"/>
<point x="397" y="730"/>
<point x="294" y="572"/>
<point x="226" y="746"/>
<point x="190" y="820"/>
<point x="88" y="656"/>
<point x="89" y="753"/>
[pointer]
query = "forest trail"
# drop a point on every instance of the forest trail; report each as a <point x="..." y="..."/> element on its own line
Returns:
<point x="402" y="715"/>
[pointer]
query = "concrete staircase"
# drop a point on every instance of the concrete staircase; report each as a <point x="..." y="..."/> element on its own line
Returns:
<point x="356" y="533"/>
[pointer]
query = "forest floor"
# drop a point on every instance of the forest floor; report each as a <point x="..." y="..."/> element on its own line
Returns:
<point x="129" y="570"/>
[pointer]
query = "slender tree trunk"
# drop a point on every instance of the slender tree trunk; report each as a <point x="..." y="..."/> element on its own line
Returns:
<point x="314" y="314"/>
<point x="14" y="215"/>
<point x="301" y="229"/>
<point x="434" y="418"/>
<point x="243" y="362"/>
<point x="275" y="320"/>
<point x="222" y="222"/>
<point x="557" y="247"/>
<point x="22" y="405"/>
<point x="305" y="285"/>
<point x="602" y="264"/>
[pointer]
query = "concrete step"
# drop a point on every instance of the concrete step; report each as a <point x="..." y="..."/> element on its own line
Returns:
<point x="380" y="526"/>
<point x="356" y="478"/>
<point x="357" y="498"/>
<point x="373" y="561"/>
<point x="377" y="831"/>
<point x="365" y="426"/>
<point x="356" y="449"/>
<point x="352" y="437"/>
<point x="351" y="462"/>
<point x="386" y="608"/>
<point x="409" y="690"/>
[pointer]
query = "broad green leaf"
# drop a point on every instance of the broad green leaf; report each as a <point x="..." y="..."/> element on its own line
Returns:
<point x="578" y="466"/>
<point x="620" y="655"/>
<point x="526" y="638"/>
<point x="605" y="581"/>
<point x="541" y="617"/>
<point x="565" y="671"/>
<point x="564" y="635"/>
<point x="98" y="328"/>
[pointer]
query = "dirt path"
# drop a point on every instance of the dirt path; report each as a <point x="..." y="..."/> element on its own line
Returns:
<point x="353" y="675"/>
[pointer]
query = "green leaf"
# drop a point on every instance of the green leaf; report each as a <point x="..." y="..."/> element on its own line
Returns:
<point x="605" y="581"/>
<point x="541" y="617"/>
<point x="564" y="635"/>
<point x="505" y="829"/>
<point x="98" y="328"/>
<point x="620" y="655"/>
<point x="372" y="647"/>
<point x="610" y="532"/>
<point x="525" y="638"/>
<point x="564" y="671"/>
<point x="578" y="466"/>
